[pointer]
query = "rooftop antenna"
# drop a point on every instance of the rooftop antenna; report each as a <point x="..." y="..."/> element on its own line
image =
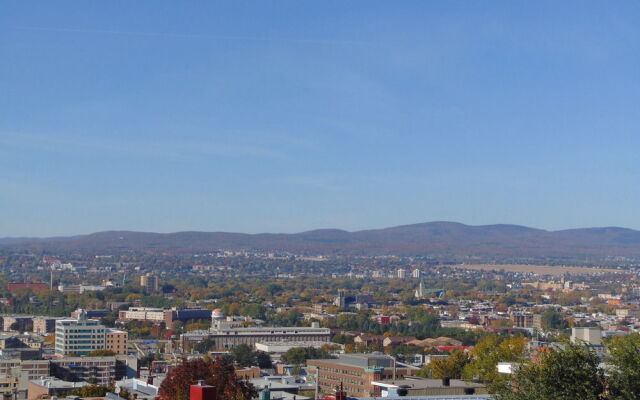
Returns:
<point x="51" y="279"/>
<point x="124" y="275"/>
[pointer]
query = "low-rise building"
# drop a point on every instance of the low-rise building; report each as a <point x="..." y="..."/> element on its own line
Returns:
<point x="12" y="323"/>
<point x="100" y="370"/>
<point x="44" y="325"/>
<point x="224" y="338"/>
<point x="24" y="370"/>
<point x="587" y="335"/>
<point x="163" y="315"/>
<point x="50" y="386"/>
<point x="116" y="341"/>
<point x="356" y="372"/>
<point x="8" y="385"/>
<point x="428" y="387"/>
<point x="526" y="320"/>
<point x="282" y="347"/>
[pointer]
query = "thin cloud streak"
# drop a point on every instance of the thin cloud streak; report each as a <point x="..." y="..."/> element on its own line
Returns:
<point x="191" y="36"/>
<point x="164" y="150"/>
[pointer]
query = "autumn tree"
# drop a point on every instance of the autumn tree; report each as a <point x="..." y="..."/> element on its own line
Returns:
<point x="216" y="372"/>
<point x="446" y="367"/>
<point x="489" y="352"/>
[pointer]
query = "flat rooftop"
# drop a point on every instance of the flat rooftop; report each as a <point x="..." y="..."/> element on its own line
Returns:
<point x="425" y="383"/>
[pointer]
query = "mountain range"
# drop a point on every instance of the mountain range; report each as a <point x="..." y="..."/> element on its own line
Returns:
<point x="424" y="239"/>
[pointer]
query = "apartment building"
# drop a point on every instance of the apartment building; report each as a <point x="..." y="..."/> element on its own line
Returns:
<point x="11" y="323"/>
<point x="150" y="283"/>
<point x="23" y="371"/>
<point x="526" y="320"/>
<point x="116" y="341"/>
<point x="101" y="370"/>
<point x="44" y="325"/>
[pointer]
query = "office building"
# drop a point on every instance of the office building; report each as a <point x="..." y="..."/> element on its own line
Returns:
<point x="356" y="372"/>
<point x="163" y="315"/>
<point x="225" y="335"/>
<point x="79" y="336"/>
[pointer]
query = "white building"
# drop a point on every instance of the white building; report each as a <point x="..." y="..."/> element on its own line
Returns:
<point x="402" y="273"/>
<point x="79" y="336"/>
<point x="416" y="273"/>
<point x="586" y="335"/>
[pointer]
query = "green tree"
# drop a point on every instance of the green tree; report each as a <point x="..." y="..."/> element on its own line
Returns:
<point x="300" y="355"/>
<point x="243" y="355"/>
<point x="553" y="320"/>
<point x="624" y="358"/>
<point x="263" y="360"/>
<point x="560" y="374"/>
<point x="91" y="391"/>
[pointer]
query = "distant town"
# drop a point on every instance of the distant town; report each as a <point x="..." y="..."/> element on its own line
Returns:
<point x="297" y="326"/>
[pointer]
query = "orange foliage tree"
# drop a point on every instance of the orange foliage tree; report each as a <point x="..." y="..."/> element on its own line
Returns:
<point x="216" y="372"/>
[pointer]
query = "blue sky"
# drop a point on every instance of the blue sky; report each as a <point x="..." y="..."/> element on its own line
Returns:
<point x="293" y="115"/>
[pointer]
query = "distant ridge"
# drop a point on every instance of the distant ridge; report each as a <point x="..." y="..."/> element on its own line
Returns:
<point x="424" y="239"/>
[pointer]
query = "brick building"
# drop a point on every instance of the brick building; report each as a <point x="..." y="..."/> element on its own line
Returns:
<point x="116" y="341"/>
<point x="356" y="372"/>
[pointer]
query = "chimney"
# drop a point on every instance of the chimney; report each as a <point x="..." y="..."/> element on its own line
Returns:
<point x="265" y="394"/>
<point x="202" y="392"/>
<point x="340" y="393"/>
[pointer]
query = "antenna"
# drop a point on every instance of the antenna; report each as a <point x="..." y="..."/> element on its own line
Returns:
<point x="51" y="279"/>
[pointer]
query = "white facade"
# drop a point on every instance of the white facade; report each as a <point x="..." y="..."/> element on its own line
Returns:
<point x="79" y="336"/>
<point x="402" y="273"/>
<point x="587" y="335"/>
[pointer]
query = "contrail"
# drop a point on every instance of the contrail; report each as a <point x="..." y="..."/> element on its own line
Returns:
<point x="191" y="35"/>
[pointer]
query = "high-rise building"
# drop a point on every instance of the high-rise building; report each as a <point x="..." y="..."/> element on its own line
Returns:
<point x="419" y="294"/>
<point x="402" y="273"/>
<point x="416" y="273"/>
<point x="150" y="283"/>
<point x="341" y="299"/>
<point x="79" y="336"/>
